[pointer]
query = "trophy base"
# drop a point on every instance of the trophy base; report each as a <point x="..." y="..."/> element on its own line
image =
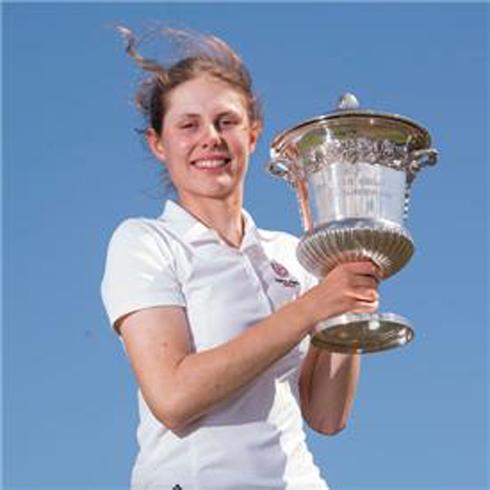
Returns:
<point x="362" y="333"/>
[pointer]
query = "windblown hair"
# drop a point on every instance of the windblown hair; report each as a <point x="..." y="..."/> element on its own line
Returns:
<point x="203" y="55"/>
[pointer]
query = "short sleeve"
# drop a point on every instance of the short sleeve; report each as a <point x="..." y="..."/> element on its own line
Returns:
<point x="139" y="272"/>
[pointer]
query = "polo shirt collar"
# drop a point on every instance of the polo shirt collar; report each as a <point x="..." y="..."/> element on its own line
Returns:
<point x="192" y="230"/>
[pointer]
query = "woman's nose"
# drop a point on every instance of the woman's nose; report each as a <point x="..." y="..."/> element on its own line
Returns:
<point x="211" y="137"/>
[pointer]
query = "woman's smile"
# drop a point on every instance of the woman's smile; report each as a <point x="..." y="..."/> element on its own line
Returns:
<point x="211" y="163"/>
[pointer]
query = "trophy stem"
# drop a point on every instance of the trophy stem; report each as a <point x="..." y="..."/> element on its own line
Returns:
<point x="362" y="333"/>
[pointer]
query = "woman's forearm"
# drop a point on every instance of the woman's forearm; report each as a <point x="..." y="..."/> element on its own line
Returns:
<point x="203" y="379"/>
<point x="328" y="384"/>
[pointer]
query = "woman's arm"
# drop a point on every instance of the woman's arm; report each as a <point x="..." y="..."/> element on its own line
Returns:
<point x="328" y="380"/>
<point x="179" y="386"/>
<point x="328" y="384"/>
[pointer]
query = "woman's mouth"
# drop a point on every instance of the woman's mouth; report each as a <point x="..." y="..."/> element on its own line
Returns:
<point x="211" y="164"/>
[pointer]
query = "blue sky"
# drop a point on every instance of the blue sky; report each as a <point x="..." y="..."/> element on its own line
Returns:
<point x="73" y="168"/>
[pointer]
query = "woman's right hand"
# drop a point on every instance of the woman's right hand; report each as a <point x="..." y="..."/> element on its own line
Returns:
<point x="351" y="287"/>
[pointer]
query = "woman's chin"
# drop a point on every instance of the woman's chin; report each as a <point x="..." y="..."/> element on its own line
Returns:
<point x="214" y="190"/>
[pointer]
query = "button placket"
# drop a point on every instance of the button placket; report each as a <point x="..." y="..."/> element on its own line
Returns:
<point x="254" y="275"/>
<point x="251" y="272"/>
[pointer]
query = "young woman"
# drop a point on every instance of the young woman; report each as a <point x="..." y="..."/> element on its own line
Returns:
<point x="214" y="312"/>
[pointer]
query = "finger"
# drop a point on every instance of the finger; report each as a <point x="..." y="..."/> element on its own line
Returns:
<point x="365" y="294"/>
<point x="377" y="275"/>
<point x="366" y="267"/>
<point x="365" y="281"/>
<point x="366" y="307"/>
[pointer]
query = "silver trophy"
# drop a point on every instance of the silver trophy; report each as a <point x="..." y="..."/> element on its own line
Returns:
<point x="352" y="171"/>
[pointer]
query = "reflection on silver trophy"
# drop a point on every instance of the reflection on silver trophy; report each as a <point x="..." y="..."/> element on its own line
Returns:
<point x="352" y="171"/>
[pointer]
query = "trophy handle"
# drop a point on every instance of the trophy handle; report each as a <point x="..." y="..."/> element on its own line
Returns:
<point x="419" y="159"/>
<point x="279" y="167"/>
<point x="422" y="158"/>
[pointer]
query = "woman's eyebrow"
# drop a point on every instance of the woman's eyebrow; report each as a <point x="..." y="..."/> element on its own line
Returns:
<point x="228" y="113"/>
<point x="187" y="115"/>
<point x="192" y="115"/>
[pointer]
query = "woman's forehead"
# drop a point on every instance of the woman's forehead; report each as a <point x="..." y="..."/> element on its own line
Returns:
<point x="204" y="95"/>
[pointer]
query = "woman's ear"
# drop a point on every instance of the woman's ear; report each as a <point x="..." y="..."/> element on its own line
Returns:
<point x="155" y="144"/>
<point x="255" y="132"/>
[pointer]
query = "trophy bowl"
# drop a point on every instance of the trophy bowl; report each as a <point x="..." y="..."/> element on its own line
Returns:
<point x="352" y="171"/>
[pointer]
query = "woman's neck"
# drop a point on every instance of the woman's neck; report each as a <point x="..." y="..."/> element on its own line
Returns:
<point x="222" y="215"/>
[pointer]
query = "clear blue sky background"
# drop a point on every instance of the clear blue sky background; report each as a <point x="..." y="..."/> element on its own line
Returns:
<point x="73" y="168"/>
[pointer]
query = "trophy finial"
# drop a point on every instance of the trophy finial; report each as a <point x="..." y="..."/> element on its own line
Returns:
<point x="348" y="102"/>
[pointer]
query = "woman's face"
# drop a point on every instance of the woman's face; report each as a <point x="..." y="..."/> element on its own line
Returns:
<point x="206" y="139"/>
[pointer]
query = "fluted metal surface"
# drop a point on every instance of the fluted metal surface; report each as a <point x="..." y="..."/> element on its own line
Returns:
<point x="386" y="244"/>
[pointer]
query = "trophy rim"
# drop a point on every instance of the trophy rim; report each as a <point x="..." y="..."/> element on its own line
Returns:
<point x="347" y="318"/>
<point x="388" y="331"/>
<point x="286" y="136"/>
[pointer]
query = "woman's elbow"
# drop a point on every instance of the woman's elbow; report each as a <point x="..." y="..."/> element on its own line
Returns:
<point x="171" y="422"/>
<point x="170" y="414"/>
<point x="167" y="412"/>
<point x="333" y="430"/>
<point x="327" y="427"/>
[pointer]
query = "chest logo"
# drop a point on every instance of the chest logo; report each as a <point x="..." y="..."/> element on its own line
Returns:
<point x="283" y="276"/>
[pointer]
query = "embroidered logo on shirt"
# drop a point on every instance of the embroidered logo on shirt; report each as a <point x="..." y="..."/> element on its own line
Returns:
<point x="283" y="276"/>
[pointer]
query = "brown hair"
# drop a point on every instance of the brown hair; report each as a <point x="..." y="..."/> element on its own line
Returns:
<point x="205" y="54"/>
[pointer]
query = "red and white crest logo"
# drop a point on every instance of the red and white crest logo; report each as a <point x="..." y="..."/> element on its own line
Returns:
<point x="279" y="269"/>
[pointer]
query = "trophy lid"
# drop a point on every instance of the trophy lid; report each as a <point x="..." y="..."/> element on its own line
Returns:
<point x="348" y="120"/>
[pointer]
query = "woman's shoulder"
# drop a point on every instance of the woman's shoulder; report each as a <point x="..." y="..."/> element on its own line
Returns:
<point x="142" y="237"/>
<point x="137" y="225"/>
<point x="140" y="229"/>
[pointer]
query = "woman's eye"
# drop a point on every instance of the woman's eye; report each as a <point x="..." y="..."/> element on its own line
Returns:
<point x="227" y="122"/>
<point x="188" y="125"/>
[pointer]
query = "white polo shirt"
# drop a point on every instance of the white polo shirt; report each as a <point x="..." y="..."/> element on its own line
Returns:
<point x="255" y="440"/>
